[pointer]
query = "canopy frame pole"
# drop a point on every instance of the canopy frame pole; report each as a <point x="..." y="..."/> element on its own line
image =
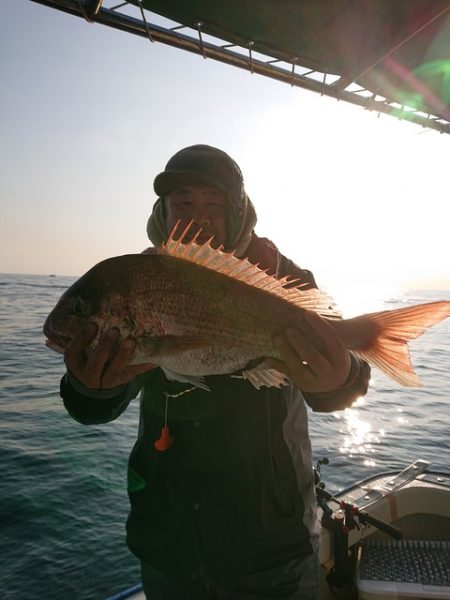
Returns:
<point x="147" y="28"/>
<point x="90" y="8"/>
<point x="124" y="22"/>
<point x="199" y="30"/>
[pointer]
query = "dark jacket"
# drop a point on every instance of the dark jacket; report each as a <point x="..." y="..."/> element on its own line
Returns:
<point x="234" y="492"/>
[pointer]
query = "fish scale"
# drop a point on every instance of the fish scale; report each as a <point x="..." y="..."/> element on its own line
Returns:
<point x="233" y="324"/>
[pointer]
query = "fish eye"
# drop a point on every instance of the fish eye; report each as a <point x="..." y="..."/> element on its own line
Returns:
<point x="80" y="306"/>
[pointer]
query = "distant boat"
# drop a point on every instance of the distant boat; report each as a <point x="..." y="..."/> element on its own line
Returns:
<point x="52" y="275"/>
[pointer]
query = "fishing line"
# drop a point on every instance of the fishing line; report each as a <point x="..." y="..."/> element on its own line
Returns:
<point x="165" y="440"/>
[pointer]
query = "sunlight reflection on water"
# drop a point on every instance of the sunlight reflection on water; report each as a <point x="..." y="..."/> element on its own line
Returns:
<point x="360" y="433"/>
<point x="357" y="435"/>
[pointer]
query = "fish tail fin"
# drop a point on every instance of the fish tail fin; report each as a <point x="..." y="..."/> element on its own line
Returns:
<point x="395" y="328"/>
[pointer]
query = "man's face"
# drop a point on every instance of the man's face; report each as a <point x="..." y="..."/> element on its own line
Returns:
<point x="206" y="206"/>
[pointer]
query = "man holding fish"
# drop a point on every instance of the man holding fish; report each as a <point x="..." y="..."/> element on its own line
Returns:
<point x="220" y="478"/>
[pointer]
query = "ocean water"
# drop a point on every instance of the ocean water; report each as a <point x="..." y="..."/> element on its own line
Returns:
<point x="63" y="501"/>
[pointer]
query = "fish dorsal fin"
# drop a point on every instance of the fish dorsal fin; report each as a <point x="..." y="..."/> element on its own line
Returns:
<point x="241" y="269"/>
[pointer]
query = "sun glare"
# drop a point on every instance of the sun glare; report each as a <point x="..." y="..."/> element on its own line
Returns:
<point x="358" y="437"/>
<point x="350" y="198"/>
<point x="355" y="299"/>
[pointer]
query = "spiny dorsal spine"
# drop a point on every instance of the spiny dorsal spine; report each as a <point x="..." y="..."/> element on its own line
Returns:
<point x="241" y="269"/>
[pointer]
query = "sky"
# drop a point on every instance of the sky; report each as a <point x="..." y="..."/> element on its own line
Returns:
<point x="90" y="115"/>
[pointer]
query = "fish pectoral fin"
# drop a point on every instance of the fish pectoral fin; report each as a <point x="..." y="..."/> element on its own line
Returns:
<point x="196" y="381"/>
<point x="264" y="375"/>
<point x="164" y="345"/>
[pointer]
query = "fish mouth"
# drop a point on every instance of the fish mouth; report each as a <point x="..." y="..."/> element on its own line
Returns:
<point x="55" y="341"/>
<point x="54" y="346"/>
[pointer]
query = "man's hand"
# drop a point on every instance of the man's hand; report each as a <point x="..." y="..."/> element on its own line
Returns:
<point x="108" y="365"/>
<point x="313" y="357"/>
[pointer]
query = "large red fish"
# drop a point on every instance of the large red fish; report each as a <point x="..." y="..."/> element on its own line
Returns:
<point x="197" y="311"/>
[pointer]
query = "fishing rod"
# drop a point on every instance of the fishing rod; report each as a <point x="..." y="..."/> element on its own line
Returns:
<point x="352" y="512"/>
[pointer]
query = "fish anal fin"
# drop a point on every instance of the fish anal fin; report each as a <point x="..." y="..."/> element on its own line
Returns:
<point x="262" y="375"/>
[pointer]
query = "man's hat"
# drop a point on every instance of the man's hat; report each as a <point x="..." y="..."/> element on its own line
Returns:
<point x="203" y="165"/>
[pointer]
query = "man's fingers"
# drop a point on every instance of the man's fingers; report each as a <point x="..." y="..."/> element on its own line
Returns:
<point x="278" y="365"/>
<point x="305" y="353"/>
<point x="108" y="365"/>
<point x="85" y="335"/>
<point x="320" y="328"/>
<point x="119" y="371"/>
<point x="74" y="355"/>
<point x="123" y="355"/>
<point x="296" y="349"/>
<point x="334" y="350"/>
<point x="287" y="352"/>
<point x="80" y="341"/>
<point x="116" y="370"/>
<point x="96" y="361"/>
<point x="315" y="355"/>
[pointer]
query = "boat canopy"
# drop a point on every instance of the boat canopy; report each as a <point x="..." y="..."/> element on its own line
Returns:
<point x="390" y="56"/>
